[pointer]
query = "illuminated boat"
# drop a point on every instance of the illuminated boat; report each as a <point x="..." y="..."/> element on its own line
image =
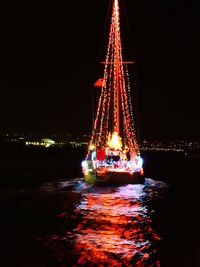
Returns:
<point x="113" y="152"/>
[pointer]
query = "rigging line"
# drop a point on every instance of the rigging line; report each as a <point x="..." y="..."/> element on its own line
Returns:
<point x="107" y="18"/>
<point x="127" y="134"/>
<point x="109" y="91"/>
<point x="131" y="107"/>
<point x="131" y="134"/>
<point x="127" y="108"/>
<point x="136" y="105"/>
<point x="107" y="25"/>
<point x="109" y="49"/>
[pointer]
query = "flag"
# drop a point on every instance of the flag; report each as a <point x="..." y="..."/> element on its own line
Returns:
<point x="100" y="153"/>
<point x="99" y="83"/>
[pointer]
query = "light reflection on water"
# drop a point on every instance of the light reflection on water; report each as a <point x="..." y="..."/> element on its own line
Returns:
<point x="109" y="226"/>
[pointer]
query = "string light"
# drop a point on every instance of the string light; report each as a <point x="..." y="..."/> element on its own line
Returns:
<point x="114" y="81"/>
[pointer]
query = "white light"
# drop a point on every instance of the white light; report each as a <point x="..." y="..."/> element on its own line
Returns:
<point x="139" y="162"/>
<point x="84" y="164"/>
<point x="94" y="155"/>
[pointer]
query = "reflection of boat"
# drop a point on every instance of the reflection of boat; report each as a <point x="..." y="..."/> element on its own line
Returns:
<point x="115" y="228"/>
<point x="112" y="158"/>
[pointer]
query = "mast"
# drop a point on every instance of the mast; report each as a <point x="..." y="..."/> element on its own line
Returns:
<point x="117" y="58"/>
<point x="115" y="97"/>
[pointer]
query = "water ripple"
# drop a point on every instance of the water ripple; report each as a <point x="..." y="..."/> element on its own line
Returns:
<point x="108" y="226"/>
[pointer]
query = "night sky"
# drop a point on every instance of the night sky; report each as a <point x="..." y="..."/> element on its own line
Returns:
<point x="50" y="54"/>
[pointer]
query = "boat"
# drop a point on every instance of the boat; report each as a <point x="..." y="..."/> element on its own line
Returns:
<point x="113" y="153"/>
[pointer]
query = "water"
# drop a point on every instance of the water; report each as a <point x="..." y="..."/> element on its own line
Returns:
<point x="72" y="223"/>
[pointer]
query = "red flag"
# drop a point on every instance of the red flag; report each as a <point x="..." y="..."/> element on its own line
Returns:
<point x="101" y="153"/>
<point x="100" y="83"/>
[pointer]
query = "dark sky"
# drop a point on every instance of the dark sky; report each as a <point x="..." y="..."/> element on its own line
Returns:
<point x="49" y="59"/>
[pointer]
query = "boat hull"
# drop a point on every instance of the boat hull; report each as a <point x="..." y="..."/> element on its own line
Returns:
<point x="115" y="178"/>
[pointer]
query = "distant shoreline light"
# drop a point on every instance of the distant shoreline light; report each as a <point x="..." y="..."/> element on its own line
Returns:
<point x="44" y="142"/>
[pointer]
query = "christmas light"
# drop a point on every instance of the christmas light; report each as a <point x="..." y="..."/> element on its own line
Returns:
<point x="114" y="142"/>
<point x="115" y="107"/>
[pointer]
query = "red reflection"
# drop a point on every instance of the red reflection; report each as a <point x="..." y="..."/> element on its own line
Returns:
<point x="114" y="231"/>
<point x="111" y="228"/>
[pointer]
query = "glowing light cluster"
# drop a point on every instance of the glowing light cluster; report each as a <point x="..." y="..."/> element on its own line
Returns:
<point x="115" y="105"/>
<point x="114" y="142"/>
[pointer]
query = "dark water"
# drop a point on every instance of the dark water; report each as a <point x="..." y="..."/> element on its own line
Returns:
<point x="106" y="225"/>
<point x="71" y="223"/>
<point x="66" y="222"/>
